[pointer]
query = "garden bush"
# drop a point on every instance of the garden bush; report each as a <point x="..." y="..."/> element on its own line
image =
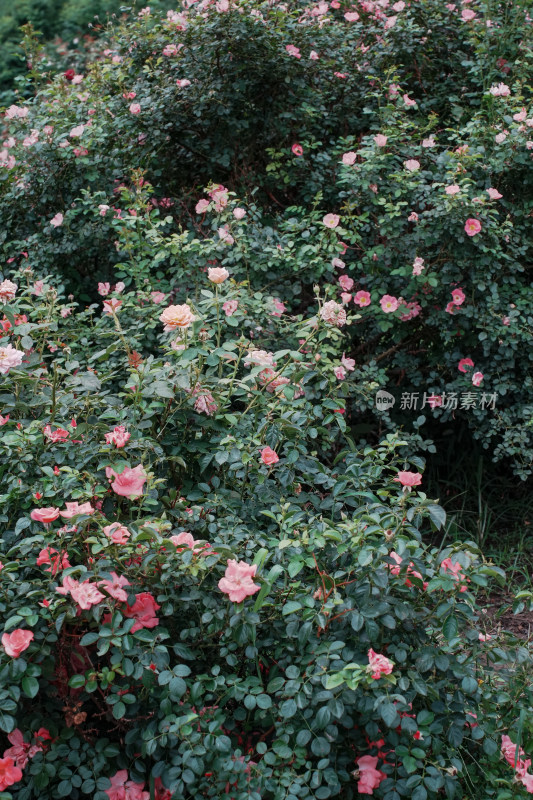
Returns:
<point x="220" y="561"/>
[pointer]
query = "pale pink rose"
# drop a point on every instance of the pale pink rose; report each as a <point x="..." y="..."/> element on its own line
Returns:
<point x="333" y="313"/>
<point x="409" y="102"/>
<point x="7" y="291"/>
<point x="77" y="132"/>
<point x="143" y="611"/>
<point x="345" y="298"/>
<point x="230" y="307"/>
<point x="4" y="420"/>
<point x="129" y="483"/>
<point x="183" y="539"/>
<point x="86" y="594"/>
<point x="313" y="55"/>
<point x="103" y="208"/>
<point x="429" y="142"/>
<point x="183" y="83"/>
<point x="269" y="457"/>
<point x="124" y="789"/>
<point x="351" y="16"/>
<point x="225" y="235"/>
<point x="477" y="377"/>
<point x="259" y="358"/>
<point x="340" y="373"/>
<point x="217" y="274"/>
<point x="362" y="298"/>
<point x="500" y="137"/>
<point x="418" y="266"/>
<point x="16" y="642"/>
<point x="520" y="116"/>
<point x="237" y="582"/>
<point x="453" y="189"/>
<point x="104" y="289"/>
<point x="390" y="22"/>
<point x="118" y="436"/>
<point x="467" y="14"/>
<point x="348" y="363"/>
<point x="399" y="6"/>
<point x="111" y="306"/>
<point x="494" y="194"/>
<point x="271" y="380"/>
<point x="412" y="165"/>
<point x="16" y="112"/>
<point x="380" y="140"/>
<point x="114" y="587"/>
<point x="458" y="297"/>
<point x="239" y="213"/>
<point x="9" y="358"/>
<point x="45" y="515"/>
<point x="413" y="217"/>
<point x="202" y="206"/>
<point x="378" y="665"/>
<point x="472" y="227"/>
<point x="175" y="317"/>
<point x="500" y="90"/>
<point x="204" y="402"/>
<point x="119" y="288"/>
<point x="409" y="479"/>
<point x="484" y="637"/>
<point x="293" y="51"/>
<point x="280" y="307"/>
<point x="297" y="149"/>
<point x="464" y="363"/>
<point x="338" y="263"/>
<point x="158" y="297"/>
<point x="369" y="776"/>
<point x="57" y="220"/>
<point x="170" y="50"/>
<point x="135" y="108"/>
<point x="346" y="282"/>
<point x="331" y="221"/>
<point x="117" y="533"/>
<point x="349" y="158"/>
<point x="388" y="303"/>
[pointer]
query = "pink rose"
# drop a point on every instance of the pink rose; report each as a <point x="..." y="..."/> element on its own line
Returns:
<point x="369" y="776"/>
<point x="346" y="282"/>
<point x="7" y="291"/>
<point x="293" y="51"/>
<point x="340" y="373"/>
<point x="9" y="773"/>
<point x="380" y="140"/>
<point x="477" y="377"/>
<point x="217" y="275"/>
<point x="464" y="363"/>
<point x="331" y="220"/>
<point x="378" y="665"/>
<point x="230" y="307"/>
<point x="388" y="303"/>
<point x="409" y="479"/>
<point x="494" y="194"/>
<point x="104" y="289"/>
<point x="45" y="515"/>
<point x="15" y="643"/>
<point x="135" y="108"/>
<point x="297" y="149"/>
<point x="177" y="317"/>
<point x="129" y="483"/>
<point x="362" y="298"/>
<point x="143" y="611"/>
<point x="75" y="509"/>
<point x="349" y="158"/>
<point x="239" y="213"/>
<point x="348" y="363"/>
<point x="269" y="456"/>
<point x="333" y="313"/>
<point x="202" y="206"/>
<point x="119" y="436"/>
<point x="114" y="587"/>
<point x="9" y="358"/>
<point x="472" y="227"/>
<point x="117" y="533"/>
<point x="57" y="220"/>
<point x="412" y="165"/>
<point x="123" y="789"/>
<point x="458" y="297"/>
<point x="237" y="582"/>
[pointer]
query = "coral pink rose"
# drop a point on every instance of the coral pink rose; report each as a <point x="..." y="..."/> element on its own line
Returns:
<point x="119" y="436"/>
<point x="269" y="456"/>
<point x="177" y="317"/>
<point x="75" y="509"/>
<point x="123" y="789"/>
<point x="409" y="478"/>
<point x="143" y="611"/>
<point x="129" y="483"/>
<point x="9" y="773"/>
<point x="117" y="533"/>
<point x="378" y="665"/>
<point x="369" y="776"/>
<point x="15" y="643"/>
<point x="237" y="582"/>
<point x="45" y="515"/>
<point x="464" y="363"/>
<point x="472" y="227"/>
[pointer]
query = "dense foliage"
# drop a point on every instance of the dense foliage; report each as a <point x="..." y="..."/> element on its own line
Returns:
<point x="228" y="239"/>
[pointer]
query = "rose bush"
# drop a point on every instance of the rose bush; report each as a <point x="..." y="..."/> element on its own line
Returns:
<point x="208" y="589"/>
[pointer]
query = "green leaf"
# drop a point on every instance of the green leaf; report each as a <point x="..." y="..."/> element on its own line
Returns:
<point x="30" y="686"/>
<point x="437" y="515"/>
<point x="119" y="709"/>
<point x="450" y="627"/>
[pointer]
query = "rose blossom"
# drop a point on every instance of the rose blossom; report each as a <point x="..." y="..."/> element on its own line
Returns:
<point x="346" y="282"/>
<point x="7" y="291"/>
<point x="333" y="313"/>
<point x="143" y="611"/>
<point x="45" y="515"/>
<point x="117" y="533"/>
<point x="494" y="194"/>
<point x="409" y="479"/>
<point x="217" y="275"/>
<point x="9" y="773"/>
<point x="177" y="317"/>
<point x="362" y="298"/>
<point x="369" y="776"/>
<point x="388" y="303"/>
<point x="464" y="363"/>
<point x="114" y="587"/>
<point x="472" y="227"/>
<point x="297" y="149"/>
<point x="378" y="665"/>
<point x="123" y="789"/>
<point x="118" y="436"/>
<point x="9" y="358"/>
<point x="237" y="582"/>
<point x="129" y="483"/>
<point x="269" y="456"/>
<point x="202" y="206"/>
<point x="348" y="363"/>
<point x="76" y="509"/>
<point x="411" y="165"/>
<point x="57" y="220"/>
<point x="230" y="307"/>
<point x="458" y="297"/>
<point x="340" y="373"/>
<point x="331" y="220"/>
<point x="239" y="213"/>
<point x="104" y="289"/>
<point x="15" y="643"/>
<point x="380" y="140"/>
<point x="477" y="377"/>
<point x="135" y="108"/>
<point x="349" y="158"/>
